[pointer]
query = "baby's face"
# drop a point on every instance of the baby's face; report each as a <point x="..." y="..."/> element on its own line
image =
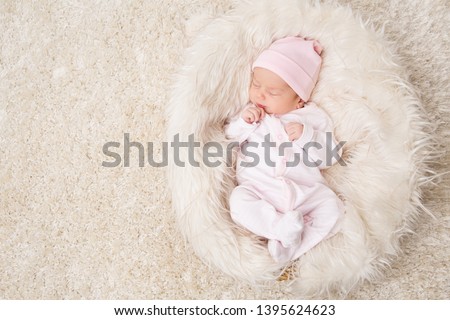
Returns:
<point x="272" y="93"/>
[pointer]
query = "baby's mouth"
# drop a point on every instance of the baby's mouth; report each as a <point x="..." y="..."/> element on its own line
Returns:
<point x="260" y="106"/>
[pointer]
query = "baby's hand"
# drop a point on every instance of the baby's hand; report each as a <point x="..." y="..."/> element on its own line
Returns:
<point x="253" y="114"/>
<point x="294" y="130"/>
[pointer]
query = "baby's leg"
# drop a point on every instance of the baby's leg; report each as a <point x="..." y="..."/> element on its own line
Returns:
<point x="260" y="217"/>
<point x="318" y="204"/>
<point x="322" y="210"/>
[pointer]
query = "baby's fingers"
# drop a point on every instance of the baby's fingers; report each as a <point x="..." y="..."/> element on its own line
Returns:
<point x="262" y="113"/>
<point x="250" y="116"/>
<point x="292" y="136"/>
<point x="256" y="113"/>
<point x="289" y="128"/>
<point x="247" y="116"/>
<point x="291" y="125"/>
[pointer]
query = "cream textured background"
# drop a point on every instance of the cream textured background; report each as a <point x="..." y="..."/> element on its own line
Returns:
<point x="77" y="74"/>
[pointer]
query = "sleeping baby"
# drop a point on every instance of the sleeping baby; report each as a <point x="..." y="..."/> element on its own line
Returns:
<point x="281" y="194"/>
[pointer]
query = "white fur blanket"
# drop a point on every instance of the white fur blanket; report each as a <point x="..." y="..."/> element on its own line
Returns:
<point x="76" y="75"/>
<point x="374" y="110"/>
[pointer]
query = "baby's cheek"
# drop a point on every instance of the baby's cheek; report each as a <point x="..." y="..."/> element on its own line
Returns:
<point x="250" y="94"/>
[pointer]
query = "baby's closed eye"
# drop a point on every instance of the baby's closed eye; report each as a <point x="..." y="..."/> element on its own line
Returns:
<point x="256" y="85"/>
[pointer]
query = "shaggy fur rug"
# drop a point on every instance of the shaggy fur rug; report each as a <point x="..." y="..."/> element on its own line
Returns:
<point x="85" y="84"/>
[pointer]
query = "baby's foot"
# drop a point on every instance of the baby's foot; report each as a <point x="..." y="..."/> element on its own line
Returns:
<point x="289" y="228"/>
<point x="280" y="253"/>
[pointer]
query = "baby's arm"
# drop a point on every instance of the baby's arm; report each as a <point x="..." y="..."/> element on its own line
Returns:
<point x="318" y="142"/>
<point x="240" y="128"/>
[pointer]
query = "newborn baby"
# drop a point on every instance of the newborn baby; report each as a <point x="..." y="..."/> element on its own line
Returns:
<point x="284" y="142"/>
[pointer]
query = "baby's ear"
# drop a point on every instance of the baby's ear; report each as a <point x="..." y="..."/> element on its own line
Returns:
<point x="317" y="47"/>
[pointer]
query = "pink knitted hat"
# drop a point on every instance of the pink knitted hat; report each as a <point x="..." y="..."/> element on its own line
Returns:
<point x="296" y="60"/>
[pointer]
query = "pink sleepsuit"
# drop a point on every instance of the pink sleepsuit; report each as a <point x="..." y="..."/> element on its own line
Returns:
<point x="284" y="197"/>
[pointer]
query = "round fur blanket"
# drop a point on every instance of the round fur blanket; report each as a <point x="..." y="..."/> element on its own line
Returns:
<point x="373" y="108"/>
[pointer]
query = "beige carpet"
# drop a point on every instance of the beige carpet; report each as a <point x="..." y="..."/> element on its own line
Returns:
<point x="75" y="75"/>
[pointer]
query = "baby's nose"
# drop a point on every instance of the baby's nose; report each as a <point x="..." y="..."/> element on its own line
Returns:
<point x="261" y="94"/>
